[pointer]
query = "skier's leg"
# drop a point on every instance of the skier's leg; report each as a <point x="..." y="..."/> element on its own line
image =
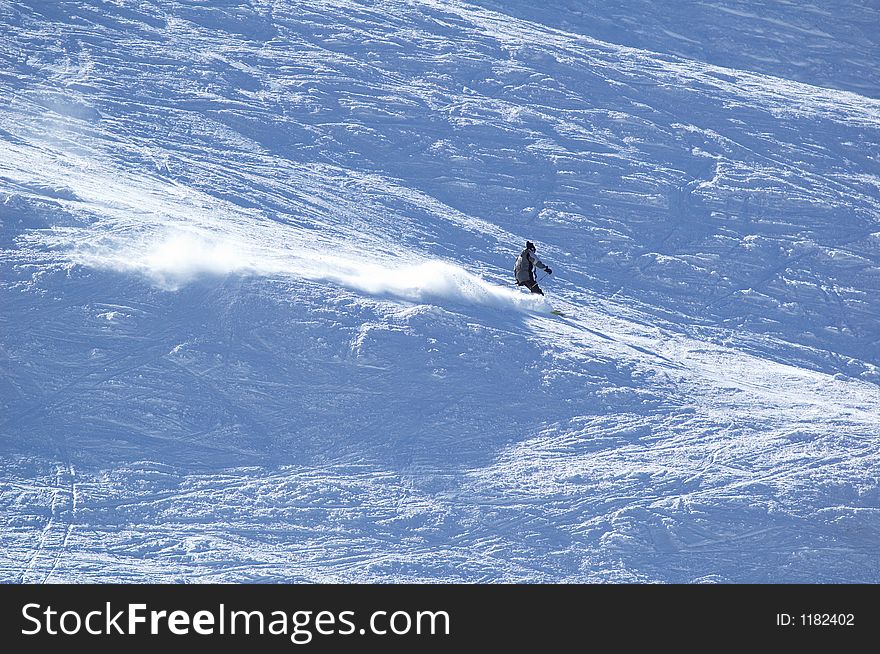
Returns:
<point x="534" y="288"/>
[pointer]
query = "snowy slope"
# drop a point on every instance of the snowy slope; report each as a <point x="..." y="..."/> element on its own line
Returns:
<point x="257" y="319"/>
<point x="831" y="44"/>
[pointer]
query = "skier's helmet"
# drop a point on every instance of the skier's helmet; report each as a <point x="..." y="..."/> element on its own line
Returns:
<point x="530" y="246"/>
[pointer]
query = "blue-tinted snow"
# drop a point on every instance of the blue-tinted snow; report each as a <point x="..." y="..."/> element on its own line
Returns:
<point x="258" y="321"/>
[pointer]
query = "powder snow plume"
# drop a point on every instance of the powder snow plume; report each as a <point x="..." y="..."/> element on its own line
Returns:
<point x="176" y="257"/>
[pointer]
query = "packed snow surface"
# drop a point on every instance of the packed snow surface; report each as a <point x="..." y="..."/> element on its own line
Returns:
<point x="259" y="321"/>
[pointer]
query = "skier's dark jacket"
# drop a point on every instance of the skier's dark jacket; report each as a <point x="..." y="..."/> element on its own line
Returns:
<point x="525" y="266"/>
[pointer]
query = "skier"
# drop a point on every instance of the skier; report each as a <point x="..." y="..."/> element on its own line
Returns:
<point x="524" y="270"/>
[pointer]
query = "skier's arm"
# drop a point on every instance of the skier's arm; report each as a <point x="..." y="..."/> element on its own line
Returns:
<point x="539" y="264"/>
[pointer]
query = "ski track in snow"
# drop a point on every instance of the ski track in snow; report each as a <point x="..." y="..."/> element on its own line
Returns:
<point x="258" y="322"/>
